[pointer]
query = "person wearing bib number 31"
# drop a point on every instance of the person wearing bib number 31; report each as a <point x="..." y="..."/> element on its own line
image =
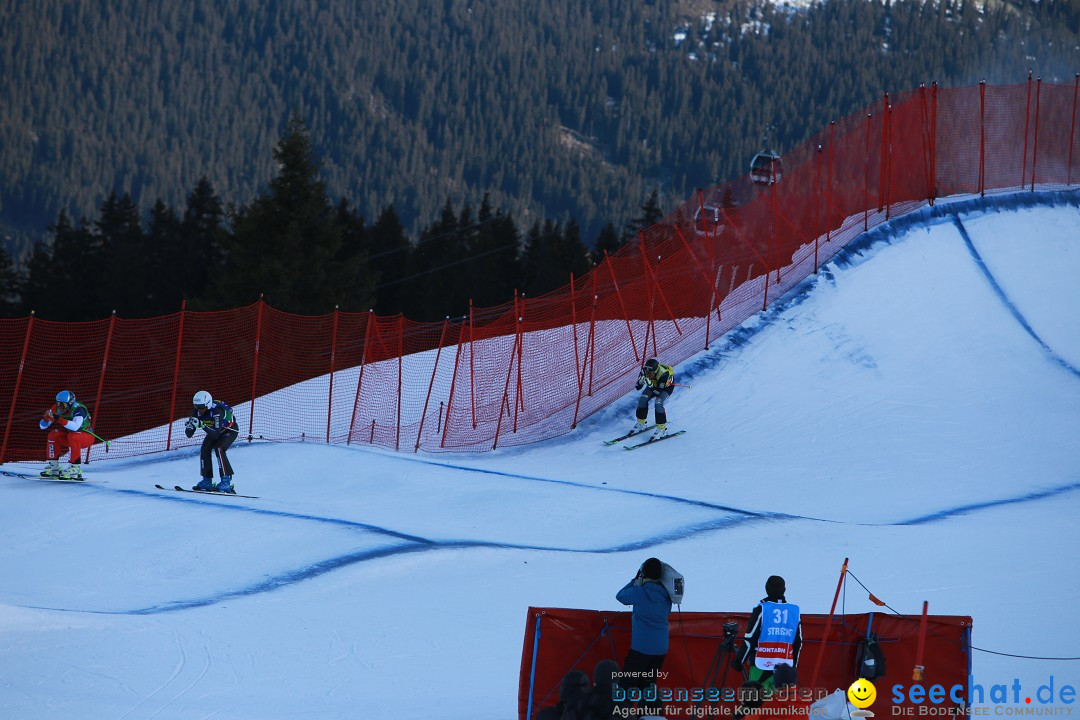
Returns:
<point x="773" y="639"/>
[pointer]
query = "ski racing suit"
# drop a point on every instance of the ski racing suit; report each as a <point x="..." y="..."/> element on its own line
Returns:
<point x="221" y="429"/>
<point x="71" y="429"/>
<point x="659" y="386"/>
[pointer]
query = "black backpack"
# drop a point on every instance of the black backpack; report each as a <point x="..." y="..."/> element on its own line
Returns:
<point x="870" y="658"/>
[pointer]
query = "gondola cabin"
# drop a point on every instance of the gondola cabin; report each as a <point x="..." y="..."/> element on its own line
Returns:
<point x="766" y="167"/>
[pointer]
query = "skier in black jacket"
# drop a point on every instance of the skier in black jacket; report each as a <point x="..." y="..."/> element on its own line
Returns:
<point x="216" y="418"/>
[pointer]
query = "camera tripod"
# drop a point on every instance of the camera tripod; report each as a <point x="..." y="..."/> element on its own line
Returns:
<point x="726" y="651"/>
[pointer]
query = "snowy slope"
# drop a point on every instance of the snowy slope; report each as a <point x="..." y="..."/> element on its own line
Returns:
<point x="914" y="407"/>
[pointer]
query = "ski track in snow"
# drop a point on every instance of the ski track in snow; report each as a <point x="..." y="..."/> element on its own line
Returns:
<point x="413" y="544"/>
<point x="1003" y="296"/>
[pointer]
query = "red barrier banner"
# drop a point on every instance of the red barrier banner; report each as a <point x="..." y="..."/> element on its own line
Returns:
<point x="559" y="640"/>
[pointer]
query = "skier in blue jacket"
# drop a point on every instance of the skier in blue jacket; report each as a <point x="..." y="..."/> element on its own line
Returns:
<point x="649" y="625"/>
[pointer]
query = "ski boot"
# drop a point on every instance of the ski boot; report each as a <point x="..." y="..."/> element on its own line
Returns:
<point x="659" y="432"/>
<point x="52" y="470"/>
<point x="225" y="485"/>
<point x="639" y="427"/>
<point x="72" y="472"/>
<point x="206" y="485"/>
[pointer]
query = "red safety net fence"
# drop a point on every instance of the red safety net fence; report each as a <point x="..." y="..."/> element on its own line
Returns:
<point x="533" y="368"/>
<point x="558" y="640"/>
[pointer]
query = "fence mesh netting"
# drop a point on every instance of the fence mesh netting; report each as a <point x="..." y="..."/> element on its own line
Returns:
<point x="533" y="368"/>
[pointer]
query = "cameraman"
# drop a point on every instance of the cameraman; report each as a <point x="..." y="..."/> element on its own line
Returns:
<point x="649" y="636"/>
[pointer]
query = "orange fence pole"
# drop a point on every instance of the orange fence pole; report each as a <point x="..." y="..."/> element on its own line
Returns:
<point x="622" y="305"/>
<point x="431" y="384"/>
<point x="1035" y="148"/>
<point x="18" y="383"/>
<point x="917" y="673"/>
<point x="828" y="626"/>
<point x="255" y="367"/>
<point x="333" y="356"/>
<point x="1027" y="126"/>
<point x="101" y="376"/>
<point x="360" y="380"/>
<point x="176" y="373"/>
<point x="400" y="371"/>
<point x="453" y="383"/>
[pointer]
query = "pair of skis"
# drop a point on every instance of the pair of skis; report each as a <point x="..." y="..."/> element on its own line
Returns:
<point x="46" y="478"/>
<point x="177" y="488"/>
<point x="635" y="432"/>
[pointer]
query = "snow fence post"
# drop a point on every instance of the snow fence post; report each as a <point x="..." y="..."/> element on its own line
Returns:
<point x="532" y="670"/>
<point x="18" y="382"/>
<point x="101" y="377"/>
<point x="333" y="355"/>
<point x="434" y="371"/>
<point x="1027" y="126"/>
<point x="828" y="626"/>
<point x="255" y="366"/>
<point x="1072" y="127"/>
<point x="176" y="373"/>
<point x="1035" y="149"/>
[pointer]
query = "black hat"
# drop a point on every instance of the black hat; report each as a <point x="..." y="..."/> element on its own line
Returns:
<point x="651" y="569"/>
<point x="775" y="587"/>
<point x="604" y="672"/>
<point x="575" y="684"/>
<point x="784" y="675"/>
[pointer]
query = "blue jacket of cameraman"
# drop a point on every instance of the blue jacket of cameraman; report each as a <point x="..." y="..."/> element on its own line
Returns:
<point x="652" y="605"/>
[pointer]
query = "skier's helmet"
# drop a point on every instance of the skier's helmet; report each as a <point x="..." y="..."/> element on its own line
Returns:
<point x="651" y="365"/>
<point x="64" y="400"/>
<point x="202" y="401"/>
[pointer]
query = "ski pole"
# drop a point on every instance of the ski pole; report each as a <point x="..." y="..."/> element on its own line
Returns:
<point x="99" y="438"/>
<point x="683" y="385"/>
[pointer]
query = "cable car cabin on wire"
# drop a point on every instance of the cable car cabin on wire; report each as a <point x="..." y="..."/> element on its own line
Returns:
<point x="766" y="167"/>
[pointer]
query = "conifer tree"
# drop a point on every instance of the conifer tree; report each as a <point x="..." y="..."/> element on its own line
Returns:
<point x="355" y="250"/>
<point x="650" y="215"/>
<point x="122" y="282"/>
<point x="552" y="252"/>
<point x="204" y="233"/>
<point x="389" y="259"/>
<point x="435" y="287"/>
<point x="10" y="283"/>
<point x="494" y="271"/>
<point x="285" y="244"/>
<point x="607" y="241"/>
<point x="63" y="280"/>
<point x="165" y="263"/>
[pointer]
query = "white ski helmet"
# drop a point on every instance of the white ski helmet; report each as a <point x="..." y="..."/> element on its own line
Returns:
<point x="202" y="400"/>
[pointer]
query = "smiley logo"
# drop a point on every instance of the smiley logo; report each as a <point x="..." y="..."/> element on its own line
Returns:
<point x="862" y="693"/>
